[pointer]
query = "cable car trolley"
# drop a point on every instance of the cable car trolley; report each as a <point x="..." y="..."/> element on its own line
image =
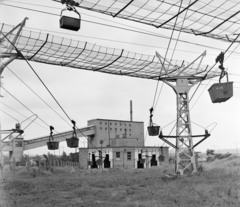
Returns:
<point x="73" y="141"/>
<point x="51" y="144"/>
<point x="68" y="22"/>
<point x="221" y="92"/>
<point x="153" y="130"/>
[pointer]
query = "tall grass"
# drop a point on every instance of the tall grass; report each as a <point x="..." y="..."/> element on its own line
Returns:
<point x="217" y="185"/>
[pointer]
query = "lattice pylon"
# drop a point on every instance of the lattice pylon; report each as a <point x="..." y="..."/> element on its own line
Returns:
<point x="185" y="160"/>
<point x="181" y="82"/>
<point x="185" y="156"/>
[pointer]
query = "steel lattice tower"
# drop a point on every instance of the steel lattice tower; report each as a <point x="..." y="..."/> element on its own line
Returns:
<point x="181" y="82"/>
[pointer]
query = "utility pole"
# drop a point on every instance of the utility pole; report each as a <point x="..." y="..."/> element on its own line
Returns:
<point x="100" y="153"/>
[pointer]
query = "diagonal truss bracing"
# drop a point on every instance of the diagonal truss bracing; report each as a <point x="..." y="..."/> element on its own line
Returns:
<point x="49" y="49"/>
<point x="218" y="19"/>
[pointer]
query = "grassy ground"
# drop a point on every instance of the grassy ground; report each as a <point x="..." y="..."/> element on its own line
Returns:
<point x="217" y="185"/>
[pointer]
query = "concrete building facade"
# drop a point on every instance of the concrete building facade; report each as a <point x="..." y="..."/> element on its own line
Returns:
<point x="120" y="144"/>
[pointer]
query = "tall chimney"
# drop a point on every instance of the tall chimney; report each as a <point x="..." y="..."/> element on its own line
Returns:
<point x="131" y="112"/>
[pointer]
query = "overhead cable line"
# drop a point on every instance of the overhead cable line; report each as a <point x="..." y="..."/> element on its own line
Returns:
<point x="175" y="46"/>
<point x="37" y="95"/>
<point x="22" y="104"/>
<point x="9" y="115"/>
<point x="179" y="33"/>
<point x="169" y="43"/>
<point x="13" y="109"/>
<point x="23" y="115"/>
<point x="19" y="52"/>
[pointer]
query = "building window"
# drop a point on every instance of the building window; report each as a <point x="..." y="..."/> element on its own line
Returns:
<point x="117" y="155"/>
<point x="100" y="122"/>
<point x="115" y="124"/>
<point x="129" y="155"/>
<point x="100" y="128"/>
<point x="105" y="128"/>
<point x="18" y="144"/>
<point x="129" y="124"/>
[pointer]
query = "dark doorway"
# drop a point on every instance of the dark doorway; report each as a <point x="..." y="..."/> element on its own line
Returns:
<point x="153" y="160"/>
<point x="94" y="164"/>
<point x="106" y="161"/>
<point x="140" y="162"/>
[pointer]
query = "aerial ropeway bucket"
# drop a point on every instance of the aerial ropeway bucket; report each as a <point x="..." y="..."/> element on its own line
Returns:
<point x="51" y="144"/>
<point x="70" y="23"/>
<point x="153" y="130"/>
<point x="221" y="92"/>
<point x="161" y="158"/>
<point x="73" y="141"/>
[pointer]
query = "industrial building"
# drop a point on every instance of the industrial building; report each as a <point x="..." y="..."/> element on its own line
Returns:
<point x="120" y="144"/>
<point x="111" y="144"/>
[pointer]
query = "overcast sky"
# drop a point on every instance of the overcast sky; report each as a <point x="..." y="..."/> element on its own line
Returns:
<point x="86" y="95"/>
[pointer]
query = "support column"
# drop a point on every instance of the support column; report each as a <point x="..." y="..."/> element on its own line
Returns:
<point x="6" y="57"/>
<point x="7" y="53"/>
<point x="185" y="156"/>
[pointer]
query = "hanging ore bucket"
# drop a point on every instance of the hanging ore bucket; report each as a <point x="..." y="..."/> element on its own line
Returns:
<point x="71" y="23"/>
<point x="161" y="158"/>
<point x="72" y="142"/>
<point x="153" y="130"/>
<point x="221" y="92"/>
<point x="51" y="144"/>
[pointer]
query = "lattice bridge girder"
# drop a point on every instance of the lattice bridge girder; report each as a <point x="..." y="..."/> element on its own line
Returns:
<point x="217" y="19"/>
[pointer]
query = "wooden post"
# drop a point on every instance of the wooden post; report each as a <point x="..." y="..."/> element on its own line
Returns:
<point x="28" y="165"/>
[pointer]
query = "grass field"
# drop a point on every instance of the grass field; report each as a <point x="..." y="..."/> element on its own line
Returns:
<point x="217" y="185"/>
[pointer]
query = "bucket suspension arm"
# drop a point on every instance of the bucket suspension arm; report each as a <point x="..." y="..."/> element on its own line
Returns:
<point x="220" y="59"/>
<point x="51" y="132"/>
<point x="151" y="115"/>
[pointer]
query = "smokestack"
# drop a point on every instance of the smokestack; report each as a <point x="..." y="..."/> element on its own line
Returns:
<point x="131" y="112"/>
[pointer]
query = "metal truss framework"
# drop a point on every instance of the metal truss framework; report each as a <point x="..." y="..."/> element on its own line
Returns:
<point x="45" y="48"/>
<point x="218" y="19"/>
<point x="185" y="156"/>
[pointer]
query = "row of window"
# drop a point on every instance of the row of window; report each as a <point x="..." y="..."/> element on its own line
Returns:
<point x="124" y="124"/>
<point x="115" y="129"/>
<point x="129" y="155"/>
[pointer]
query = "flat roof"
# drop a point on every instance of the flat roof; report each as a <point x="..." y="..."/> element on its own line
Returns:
<point x="116" y="120"/>
<point x="145" y="147"/>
